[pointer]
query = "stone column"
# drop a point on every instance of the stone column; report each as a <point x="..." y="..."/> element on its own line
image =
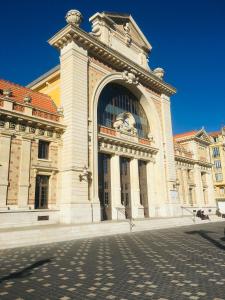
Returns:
<point x="116" y="206"/>
<point x="173" y="207"/>
<point x="137" y="210"/>
<point x="153" y="206"/>
<point x="185" y="187"/>
<point x="24" y="175"/>
<point x="5" y="143"/>
<point x="199" y="197"/>
<point x="210" y="189"/>
<point x="74" y="203"/>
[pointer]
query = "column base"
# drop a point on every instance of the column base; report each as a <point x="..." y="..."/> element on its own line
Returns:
<point x="118" y="213"/>
<point x="80" y="213"/>
<point x="165" y="210"/>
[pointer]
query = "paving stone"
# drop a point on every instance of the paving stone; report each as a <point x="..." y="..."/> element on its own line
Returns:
<point x="180" y="263"/>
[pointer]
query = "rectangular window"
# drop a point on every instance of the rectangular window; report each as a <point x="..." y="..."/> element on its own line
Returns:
<point x="219" y="176"/>
<point x="222" y="190"/>
<point x="41" y="191"/>
<point x="43" y="149"/>
<point x="216" y="152"/>
<point x="217" y="164"/>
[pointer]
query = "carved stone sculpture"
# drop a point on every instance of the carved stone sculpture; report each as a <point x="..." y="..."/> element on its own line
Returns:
<point x="130" y="77"/>
<point x="159" y="72"/>
<point x="125" y="123"/>
<point x="74" y="17"/>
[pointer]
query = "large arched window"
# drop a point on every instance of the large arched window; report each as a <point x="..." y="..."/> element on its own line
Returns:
<point x="115" y="100"/>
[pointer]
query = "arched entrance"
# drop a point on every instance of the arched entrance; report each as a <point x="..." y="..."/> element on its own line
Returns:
<point x="147" y="150"/>
<point x="124" y="149"/>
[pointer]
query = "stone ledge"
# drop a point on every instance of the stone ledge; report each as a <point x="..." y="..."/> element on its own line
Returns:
<point x="36" y="235"/>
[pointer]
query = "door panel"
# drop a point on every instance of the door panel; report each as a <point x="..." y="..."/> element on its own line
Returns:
<point x="104" y="185"/>
<point x="41" y="191"/>
<point x="125" y="185"/>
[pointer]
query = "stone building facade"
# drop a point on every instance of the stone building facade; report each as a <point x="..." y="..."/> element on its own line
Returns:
<point x="217" y="152"/>
<point x="111" y="155"/>
<point x="29" y="125"/>
<point x="194" y="171"/>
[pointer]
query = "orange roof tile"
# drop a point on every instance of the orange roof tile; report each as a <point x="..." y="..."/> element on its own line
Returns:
<point x="215" y="133"/>
<point x="185" y="134"/>
<point x="38" y="100"/>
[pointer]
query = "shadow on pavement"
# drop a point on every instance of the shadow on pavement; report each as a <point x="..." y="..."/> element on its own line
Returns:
<point x="26" y="271"/>
<point x="204" y="235"/>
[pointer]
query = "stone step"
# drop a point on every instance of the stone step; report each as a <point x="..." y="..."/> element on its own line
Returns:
<point x="24" y="236"/>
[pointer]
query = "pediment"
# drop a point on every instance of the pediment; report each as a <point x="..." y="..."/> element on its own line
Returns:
<point x="121" y="33"/>
<point x="202" y="135"/>
<point x="125" y="24"/>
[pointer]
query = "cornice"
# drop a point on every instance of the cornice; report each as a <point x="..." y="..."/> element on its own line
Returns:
<point x="193" y="161"/>
<point x="31" y="119"/>
<point x="185" y="159"/>
<point x="111" y="56"/>
<point x="121" y="142"/>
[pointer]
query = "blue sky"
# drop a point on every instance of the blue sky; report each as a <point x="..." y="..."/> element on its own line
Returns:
<point x="188" y="40"/>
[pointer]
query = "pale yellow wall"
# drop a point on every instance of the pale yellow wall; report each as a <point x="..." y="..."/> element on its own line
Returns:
<point x="51" y="88"/>
<point x="218" y="184"/>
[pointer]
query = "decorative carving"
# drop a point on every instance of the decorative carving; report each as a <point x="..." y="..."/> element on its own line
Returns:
<point x="74" y="17"/>
<point x="151" y="138"/>
<point x="128" y="38"/>
<point x="159" y="72"/>
<point x="97" y="29"/>
<point x="125" y="123"/>
<point x="130" y="77"/>
<point x="27" y="99"/>
<point x="85" y="175"/>
<point x="60" y="110"/>
<point x="7" y="93"/>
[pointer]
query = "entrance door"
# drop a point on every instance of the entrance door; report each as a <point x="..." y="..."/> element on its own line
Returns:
<point x="125" y="185"/>
<point x="104" y="185"/>
<point x="41" y="191"/>
<point x="142" y="169"/>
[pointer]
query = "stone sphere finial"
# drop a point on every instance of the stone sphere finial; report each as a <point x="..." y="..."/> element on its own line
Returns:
<point x="159" y="72"/>
<point x="74" y="17"/>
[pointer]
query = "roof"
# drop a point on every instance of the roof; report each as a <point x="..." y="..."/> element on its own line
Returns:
<point x="185" y="134"/>
<point x="38" y="100"/>
<point x="48" y="73"/>
<point x="215" y="133"/>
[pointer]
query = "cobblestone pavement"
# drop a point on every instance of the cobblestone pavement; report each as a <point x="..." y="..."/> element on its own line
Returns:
<point x="179" y="263"/>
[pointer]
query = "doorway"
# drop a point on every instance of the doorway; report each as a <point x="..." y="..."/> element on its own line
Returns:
<point x="125" y="185"/>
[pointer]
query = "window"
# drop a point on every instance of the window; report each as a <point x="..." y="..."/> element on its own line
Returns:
<point x="222" y="190"/>
<point x="43" y="149"/>
<point x="190" y="196"/>
<point x="41" y="191"/>
<point x="115" y="100"/>
<point x="219" y="176"/>
<point x="217" y="164"/>
<point x="216" y="152"/>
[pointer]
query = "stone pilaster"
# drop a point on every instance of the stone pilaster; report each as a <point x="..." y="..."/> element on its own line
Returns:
<point x="199" y="197"/>
<point x="74" y="202"/>
<point x="5" y="143"/>
<point x="137" y="210"/>
<point x="24" y="175"/>
<point x="210" y="189"/>
<point x="185" y="187"/>
<point x="169" y="159"/>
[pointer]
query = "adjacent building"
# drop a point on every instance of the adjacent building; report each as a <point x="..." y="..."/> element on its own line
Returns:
<point x="217" y="151"/>
<point x="194" y="171"/>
